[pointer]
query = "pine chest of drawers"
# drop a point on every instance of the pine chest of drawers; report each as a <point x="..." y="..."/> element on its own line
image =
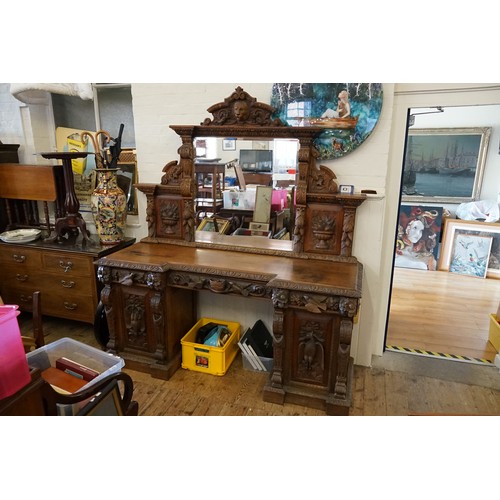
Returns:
<point x="64" y="274"/>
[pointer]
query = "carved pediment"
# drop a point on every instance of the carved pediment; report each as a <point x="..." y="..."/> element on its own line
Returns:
<point x="322" y="180"/>
<point x="172" y="173"/>
<point x="240" y="108"/>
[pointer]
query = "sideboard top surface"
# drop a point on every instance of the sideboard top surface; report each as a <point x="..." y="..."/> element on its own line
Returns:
<point x="290" y="273"/>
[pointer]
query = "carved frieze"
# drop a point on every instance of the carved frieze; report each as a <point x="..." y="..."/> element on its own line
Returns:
<point x="126" y="277"/>
<point x="344" y="306"/>
<point x="218" y="285"/>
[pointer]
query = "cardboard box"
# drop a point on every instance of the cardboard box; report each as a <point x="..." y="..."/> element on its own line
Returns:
<point x="207" y="359"/>
<point x="494" y="335"/>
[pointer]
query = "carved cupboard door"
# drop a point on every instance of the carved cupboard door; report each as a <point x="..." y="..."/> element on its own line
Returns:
<point x="139" y="316"/>
<point x="311" y="344"/>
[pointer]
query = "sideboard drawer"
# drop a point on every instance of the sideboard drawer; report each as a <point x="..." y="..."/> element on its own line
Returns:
<point x="19" y="256"/>
<point x="68" y="264"/>
<point x="72" y="306"/>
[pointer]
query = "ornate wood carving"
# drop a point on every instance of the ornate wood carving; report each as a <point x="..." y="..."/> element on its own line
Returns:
<point x="242" y="109"/>
<point x="322" y="180"/>
<point x="276" y="381"/>
<point x="340" y="390"/>
<point x="311" y="351"/>
<point x="172" y="174"/>
<point x="135" y="320"/>
<point x="156" y="306"/>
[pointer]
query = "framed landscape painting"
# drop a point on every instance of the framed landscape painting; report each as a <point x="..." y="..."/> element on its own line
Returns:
<point x="454" y="227"/>
<point x="444" y="165"/>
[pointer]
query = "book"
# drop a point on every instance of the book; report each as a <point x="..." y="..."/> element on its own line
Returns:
<point x="246" y="352"/>
<point x="62" y="380"/>
<point x="259" y="363"/>
<point x="76" y="369"/>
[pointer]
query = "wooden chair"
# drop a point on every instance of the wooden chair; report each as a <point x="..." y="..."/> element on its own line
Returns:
<point x="111" y="396"/>
<point x="37" y="339"/>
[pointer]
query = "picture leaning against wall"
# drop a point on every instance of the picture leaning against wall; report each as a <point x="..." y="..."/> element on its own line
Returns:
<point x="418" y="238"/>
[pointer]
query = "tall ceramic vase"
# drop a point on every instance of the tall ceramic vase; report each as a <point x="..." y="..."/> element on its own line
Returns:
<point x="109" y="207"/>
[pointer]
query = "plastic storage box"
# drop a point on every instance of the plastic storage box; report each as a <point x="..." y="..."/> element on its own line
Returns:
<point x="207" y="359"/>
<point x="14" y="371"/>
<point x="267" y="362"/>
<point x="103" y="362"/>
<point x="494" y="335"/>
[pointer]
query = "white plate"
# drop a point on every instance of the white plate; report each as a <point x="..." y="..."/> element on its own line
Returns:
<point x="20" y="235"/>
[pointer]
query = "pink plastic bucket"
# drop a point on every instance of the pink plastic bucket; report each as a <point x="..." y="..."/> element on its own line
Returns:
<point x="14" y="370"/>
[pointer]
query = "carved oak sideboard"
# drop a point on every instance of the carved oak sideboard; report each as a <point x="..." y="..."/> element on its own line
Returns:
<point x="151" y="288"/>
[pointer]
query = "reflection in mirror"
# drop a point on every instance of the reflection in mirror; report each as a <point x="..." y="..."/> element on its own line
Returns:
<point x="228" y="174"/>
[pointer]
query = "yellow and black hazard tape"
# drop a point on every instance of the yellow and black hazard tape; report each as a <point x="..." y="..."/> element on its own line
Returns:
<point x="422" y="352"/>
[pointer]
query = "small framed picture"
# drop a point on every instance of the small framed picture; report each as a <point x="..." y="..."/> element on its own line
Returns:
<point x="229" y="144"/>
<point x="214" y="225"/>
<point x="258" y="226"/>
<point x="346" y="189"/>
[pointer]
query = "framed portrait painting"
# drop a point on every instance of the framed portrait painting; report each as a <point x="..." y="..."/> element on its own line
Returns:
<point x="457" y="227"/>
<point x="418" y="238"/>
<point x="444" y="165"/>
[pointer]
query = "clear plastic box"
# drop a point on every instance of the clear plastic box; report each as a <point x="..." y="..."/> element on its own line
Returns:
<point x="103" y="362"/>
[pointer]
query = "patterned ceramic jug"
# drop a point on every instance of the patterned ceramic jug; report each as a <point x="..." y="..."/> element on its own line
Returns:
<point x="109" y="207"/>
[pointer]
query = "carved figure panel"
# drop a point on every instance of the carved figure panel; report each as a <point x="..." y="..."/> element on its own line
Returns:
<point x="169" y="214"/>
<point x="325" y="226"/>
<point x="135" y="314"/>
<point x="310" y="342"/>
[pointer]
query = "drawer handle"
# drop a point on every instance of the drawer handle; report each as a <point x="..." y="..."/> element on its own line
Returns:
<point x="22" y="277"/>
<point x="19" y="258"/>
<point x="25" y="298"/>
<point x="66" y="265"/>
<point x="68" y="284"/>
<point x="70" y="307"/>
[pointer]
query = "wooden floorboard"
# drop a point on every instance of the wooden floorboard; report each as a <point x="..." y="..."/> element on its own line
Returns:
<point x="376" y="391"/>
<point x="442" y="312"/>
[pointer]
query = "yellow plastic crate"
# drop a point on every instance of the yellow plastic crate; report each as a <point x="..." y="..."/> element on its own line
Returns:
<point x="208" y="359"/>
<point x="494" y="336"/>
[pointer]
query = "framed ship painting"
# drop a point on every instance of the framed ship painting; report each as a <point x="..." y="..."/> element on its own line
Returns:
<point x="444" y="165"/>
<point x="348" y="112"/>
<point x="418" y="237"/>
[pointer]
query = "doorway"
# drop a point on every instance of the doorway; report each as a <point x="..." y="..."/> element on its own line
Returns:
<point x="437" y="313"/>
